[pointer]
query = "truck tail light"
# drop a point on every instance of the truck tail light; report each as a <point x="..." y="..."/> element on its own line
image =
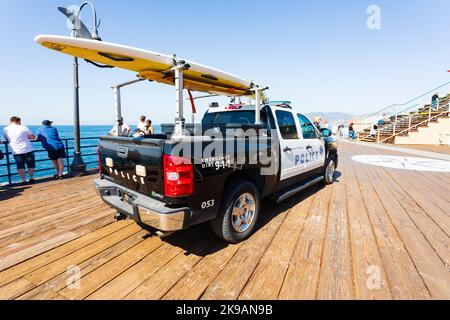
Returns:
<point x="99" y="161"/>
<point x="178" y="176"/>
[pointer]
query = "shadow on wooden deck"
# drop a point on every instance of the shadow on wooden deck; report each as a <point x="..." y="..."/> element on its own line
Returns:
<point x="203" y="233"/>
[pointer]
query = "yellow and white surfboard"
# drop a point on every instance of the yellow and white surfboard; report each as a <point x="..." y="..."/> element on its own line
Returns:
<point x="148" y="65"/>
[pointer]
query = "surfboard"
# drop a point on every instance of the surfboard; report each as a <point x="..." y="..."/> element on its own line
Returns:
<point x="149" y="65"/>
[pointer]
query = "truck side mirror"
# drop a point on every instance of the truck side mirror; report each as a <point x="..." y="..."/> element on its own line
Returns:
<point x="326" y="133"/>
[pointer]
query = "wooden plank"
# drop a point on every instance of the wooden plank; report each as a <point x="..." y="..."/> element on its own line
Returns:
<point x="48" y="295"/>
<point x="33" y="246"/>
<point x="404" y="280"/>
<point x="34" y="214"/>
<point x="19" y="270"/>
<point x="437" y="238"/>
<point x="437" y="208"/>
<point x="15" y="288"/>
<point x="430" y="188"/>
<point x="131" y="278"/>
<point x="156" y="286"/>
<point x="302" y="276"/>
<point x="30" y="209"/>
<point x="95" y="225"/>
<point x="52" y="269"/>
<point x="440" y="182"/>
<point x="197" y="280"/>
<point x="430" y="266"/>
<point x="268" y="277"/>
<point x="21" y="239"/>
<point x="366" y="257"/>
<point x="20" y="256"/>
<point x="60" y="282"/>
<point x="40" y="193"/>
<point x="110" y="270"/>
<point x="37" y="194"/>
<point x="336" y="278"/>
<point x="230" y="282"/>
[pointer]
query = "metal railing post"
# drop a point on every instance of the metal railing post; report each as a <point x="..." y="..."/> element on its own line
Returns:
<point x="429" y="113"/>
<point x="378" y="136"/>
<point x="66" y="142"/>
<point x="8" y="176"/>
<point x="410" y="123"/>
<point x="8" y="164"/>
<point x="395" y="128"/>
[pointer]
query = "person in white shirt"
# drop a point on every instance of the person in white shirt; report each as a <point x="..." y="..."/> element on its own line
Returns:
<point x="19" y="137"/>
<point x="373" y="130"/>
<point x="126" y="129"/>
<point x="141" y="124"/>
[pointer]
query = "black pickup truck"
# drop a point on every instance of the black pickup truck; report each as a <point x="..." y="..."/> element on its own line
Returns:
<point x="216" y="172"/>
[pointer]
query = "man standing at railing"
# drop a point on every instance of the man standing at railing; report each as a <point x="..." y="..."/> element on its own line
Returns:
<point x="49" y="137"/>
<point x="19" y="137"/>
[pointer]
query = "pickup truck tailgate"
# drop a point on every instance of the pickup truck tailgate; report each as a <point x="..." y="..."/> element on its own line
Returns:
<point x="134" y="163"/>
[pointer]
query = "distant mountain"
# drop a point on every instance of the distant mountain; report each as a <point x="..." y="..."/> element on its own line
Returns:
<point x="331" y="116"/>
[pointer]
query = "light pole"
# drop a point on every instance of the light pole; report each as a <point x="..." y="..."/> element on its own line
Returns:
<point x="79" y="30"/>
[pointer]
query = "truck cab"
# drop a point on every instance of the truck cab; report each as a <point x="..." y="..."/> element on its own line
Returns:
<point x="147" y="180"/>
<point x="302" y="146"/>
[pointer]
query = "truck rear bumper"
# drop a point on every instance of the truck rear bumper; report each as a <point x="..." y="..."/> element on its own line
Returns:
<point x="141" y="208"/>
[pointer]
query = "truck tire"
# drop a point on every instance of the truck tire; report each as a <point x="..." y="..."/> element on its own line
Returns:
<point x="330" y="170"/>
<point x="239" y="212"/>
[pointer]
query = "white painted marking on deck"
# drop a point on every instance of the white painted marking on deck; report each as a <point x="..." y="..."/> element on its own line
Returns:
<point x="404" y="163"/>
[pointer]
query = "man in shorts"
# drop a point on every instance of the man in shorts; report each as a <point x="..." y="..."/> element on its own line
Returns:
<point x="49" y="137"/>
<point x="19" y="137"/>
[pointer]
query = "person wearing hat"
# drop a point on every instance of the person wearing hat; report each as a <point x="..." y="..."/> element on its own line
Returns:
<point x="49" y="137"/>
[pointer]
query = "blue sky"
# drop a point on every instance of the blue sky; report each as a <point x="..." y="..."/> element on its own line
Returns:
<point x="318" y="54"/>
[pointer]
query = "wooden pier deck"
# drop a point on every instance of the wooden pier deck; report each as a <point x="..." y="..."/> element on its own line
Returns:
<point x="376" y="233"/>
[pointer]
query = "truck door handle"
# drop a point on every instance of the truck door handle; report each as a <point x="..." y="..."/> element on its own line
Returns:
<point x="287" y="149"/>
<point x="309" y="147"/>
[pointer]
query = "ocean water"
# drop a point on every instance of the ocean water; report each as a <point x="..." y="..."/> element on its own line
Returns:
<point x="44" y="167"/>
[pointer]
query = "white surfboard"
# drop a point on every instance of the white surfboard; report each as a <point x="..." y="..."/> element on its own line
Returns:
<point x="147" y="64"/>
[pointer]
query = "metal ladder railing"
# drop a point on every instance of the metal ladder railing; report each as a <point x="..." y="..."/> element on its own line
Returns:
<point x="432" y="113"/>
<point x="395" y="121"/>
<point x="396" y="110"/>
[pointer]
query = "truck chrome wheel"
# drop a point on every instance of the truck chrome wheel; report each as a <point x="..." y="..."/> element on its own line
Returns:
<point x="243" y="212"/>
<point x="329" y="172"/>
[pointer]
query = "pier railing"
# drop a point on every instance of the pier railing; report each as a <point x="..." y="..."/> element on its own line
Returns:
<point x="8" y="164"/>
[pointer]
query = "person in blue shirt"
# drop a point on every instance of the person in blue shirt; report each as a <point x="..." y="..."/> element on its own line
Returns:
<point x="49" y="137"/>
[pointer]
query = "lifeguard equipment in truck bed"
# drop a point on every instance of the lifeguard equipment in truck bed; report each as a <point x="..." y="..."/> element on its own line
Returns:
<point x="157" y="67"/>
<point x="149" y="65"/>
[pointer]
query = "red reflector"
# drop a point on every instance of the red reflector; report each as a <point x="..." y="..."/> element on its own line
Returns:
<point x="178" y="176"/>
<point x="234" y="107"/>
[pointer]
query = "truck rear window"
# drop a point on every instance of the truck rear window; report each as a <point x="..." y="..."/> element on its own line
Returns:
<point x="222" y="118"/>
